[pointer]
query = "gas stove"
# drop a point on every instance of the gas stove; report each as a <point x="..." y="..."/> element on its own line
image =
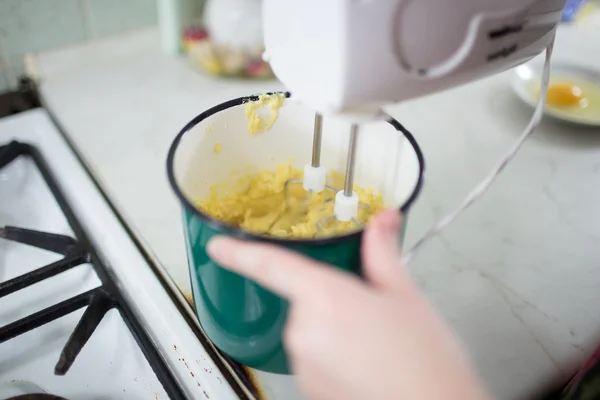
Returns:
<point x="84" y="312"/>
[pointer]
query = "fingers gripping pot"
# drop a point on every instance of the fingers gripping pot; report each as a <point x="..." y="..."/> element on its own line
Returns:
<point x="244" y="320"/>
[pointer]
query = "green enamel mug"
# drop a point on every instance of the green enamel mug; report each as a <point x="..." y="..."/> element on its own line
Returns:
<point x="244" y="320"/>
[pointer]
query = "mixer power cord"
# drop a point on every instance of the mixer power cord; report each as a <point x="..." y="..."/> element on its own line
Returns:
<point x="485" y="184"/>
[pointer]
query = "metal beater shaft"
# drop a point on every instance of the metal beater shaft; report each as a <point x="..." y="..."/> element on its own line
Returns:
<point x="349" y="181"/>
<point x="316" y="150"/>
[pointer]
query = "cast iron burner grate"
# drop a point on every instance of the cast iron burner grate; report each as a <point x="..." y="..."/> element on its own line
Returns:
<point x="76" y="252"/>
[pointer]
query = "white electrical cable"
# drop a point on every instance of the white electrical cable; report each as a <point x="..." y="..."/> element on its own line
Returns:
<point x="485" y="184"/>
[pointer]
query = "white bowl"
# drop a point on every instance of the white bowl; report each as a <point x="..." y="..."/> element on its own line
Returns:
<point x="530" y="73"/>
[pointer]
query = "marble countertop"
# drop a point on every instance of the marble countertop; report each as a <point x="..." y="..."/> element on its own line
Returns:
<point x="517" y="275"/>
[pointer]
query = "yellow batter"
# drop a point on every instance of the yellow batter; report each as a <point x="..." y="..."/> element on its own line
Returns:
<point x="255" y="122"/>
<point x="259" y="204"/>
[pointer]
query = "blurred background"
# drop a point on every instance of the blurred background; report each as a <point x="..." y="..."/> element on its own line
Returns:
<point x="28" y="27"/>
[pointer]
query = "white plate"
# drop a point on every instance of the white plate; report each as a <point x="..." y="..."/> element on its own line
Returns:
<point x="525" y="74"/>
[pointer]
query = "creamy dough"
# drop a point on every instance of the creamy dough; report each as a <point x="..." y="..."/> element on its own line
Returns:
<point x="255" y="122"/>
<point x="258" y="203"/>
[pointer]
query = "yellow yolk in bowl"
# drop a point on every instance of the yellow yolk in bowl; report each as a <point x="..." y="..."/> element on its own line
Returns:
<point x="571" y="98"/>
<point x="564" y="94"/>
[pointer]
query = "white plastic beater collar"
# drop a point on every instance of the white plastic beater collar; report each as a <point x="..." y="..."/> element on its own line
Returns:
<point x="346" y="207"/>
<point x="314" y="179"/>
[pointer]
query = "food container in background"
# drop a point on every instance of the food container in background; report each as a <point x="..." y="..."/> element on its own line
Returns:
<point x="231" y="42"/>
<point x="571" y="10"/>
<point x="243" y="319"/>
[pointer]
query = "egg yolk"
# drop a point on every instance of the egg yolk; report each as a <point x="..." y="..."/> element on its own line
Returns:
<point x="564" y="95"/>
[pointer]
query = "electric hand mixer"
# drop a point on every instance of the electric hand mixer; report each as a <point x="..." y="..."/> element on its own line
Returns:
<point x="350" y="58"/>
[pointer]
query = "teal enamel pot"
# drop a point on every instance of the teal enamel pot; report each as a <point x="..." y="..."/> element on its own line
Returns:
<point x="242" y="319"/>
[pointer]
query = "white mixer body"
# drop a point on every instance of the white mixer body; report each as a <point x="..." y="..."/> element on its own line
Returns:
<point x="355" y="56"/>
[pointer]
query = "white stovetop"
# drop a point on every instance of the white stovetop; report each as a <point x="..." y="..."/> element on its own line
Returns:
<point x="111" y="363"/>
<point x="105" y="367"/>
<point x="517" y="275"/>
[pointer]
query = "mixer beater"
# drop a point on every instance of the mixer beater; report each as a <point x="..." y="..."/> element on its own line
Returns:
<point x="346" y="201"/>
<point x="346" y="204"/>
<point x="315" y="176"/>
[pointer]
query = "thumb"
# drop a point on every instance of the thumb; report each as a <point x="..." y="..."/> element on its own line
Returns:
<point x="382" y="264"/>
<point x="283" y="271"/>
